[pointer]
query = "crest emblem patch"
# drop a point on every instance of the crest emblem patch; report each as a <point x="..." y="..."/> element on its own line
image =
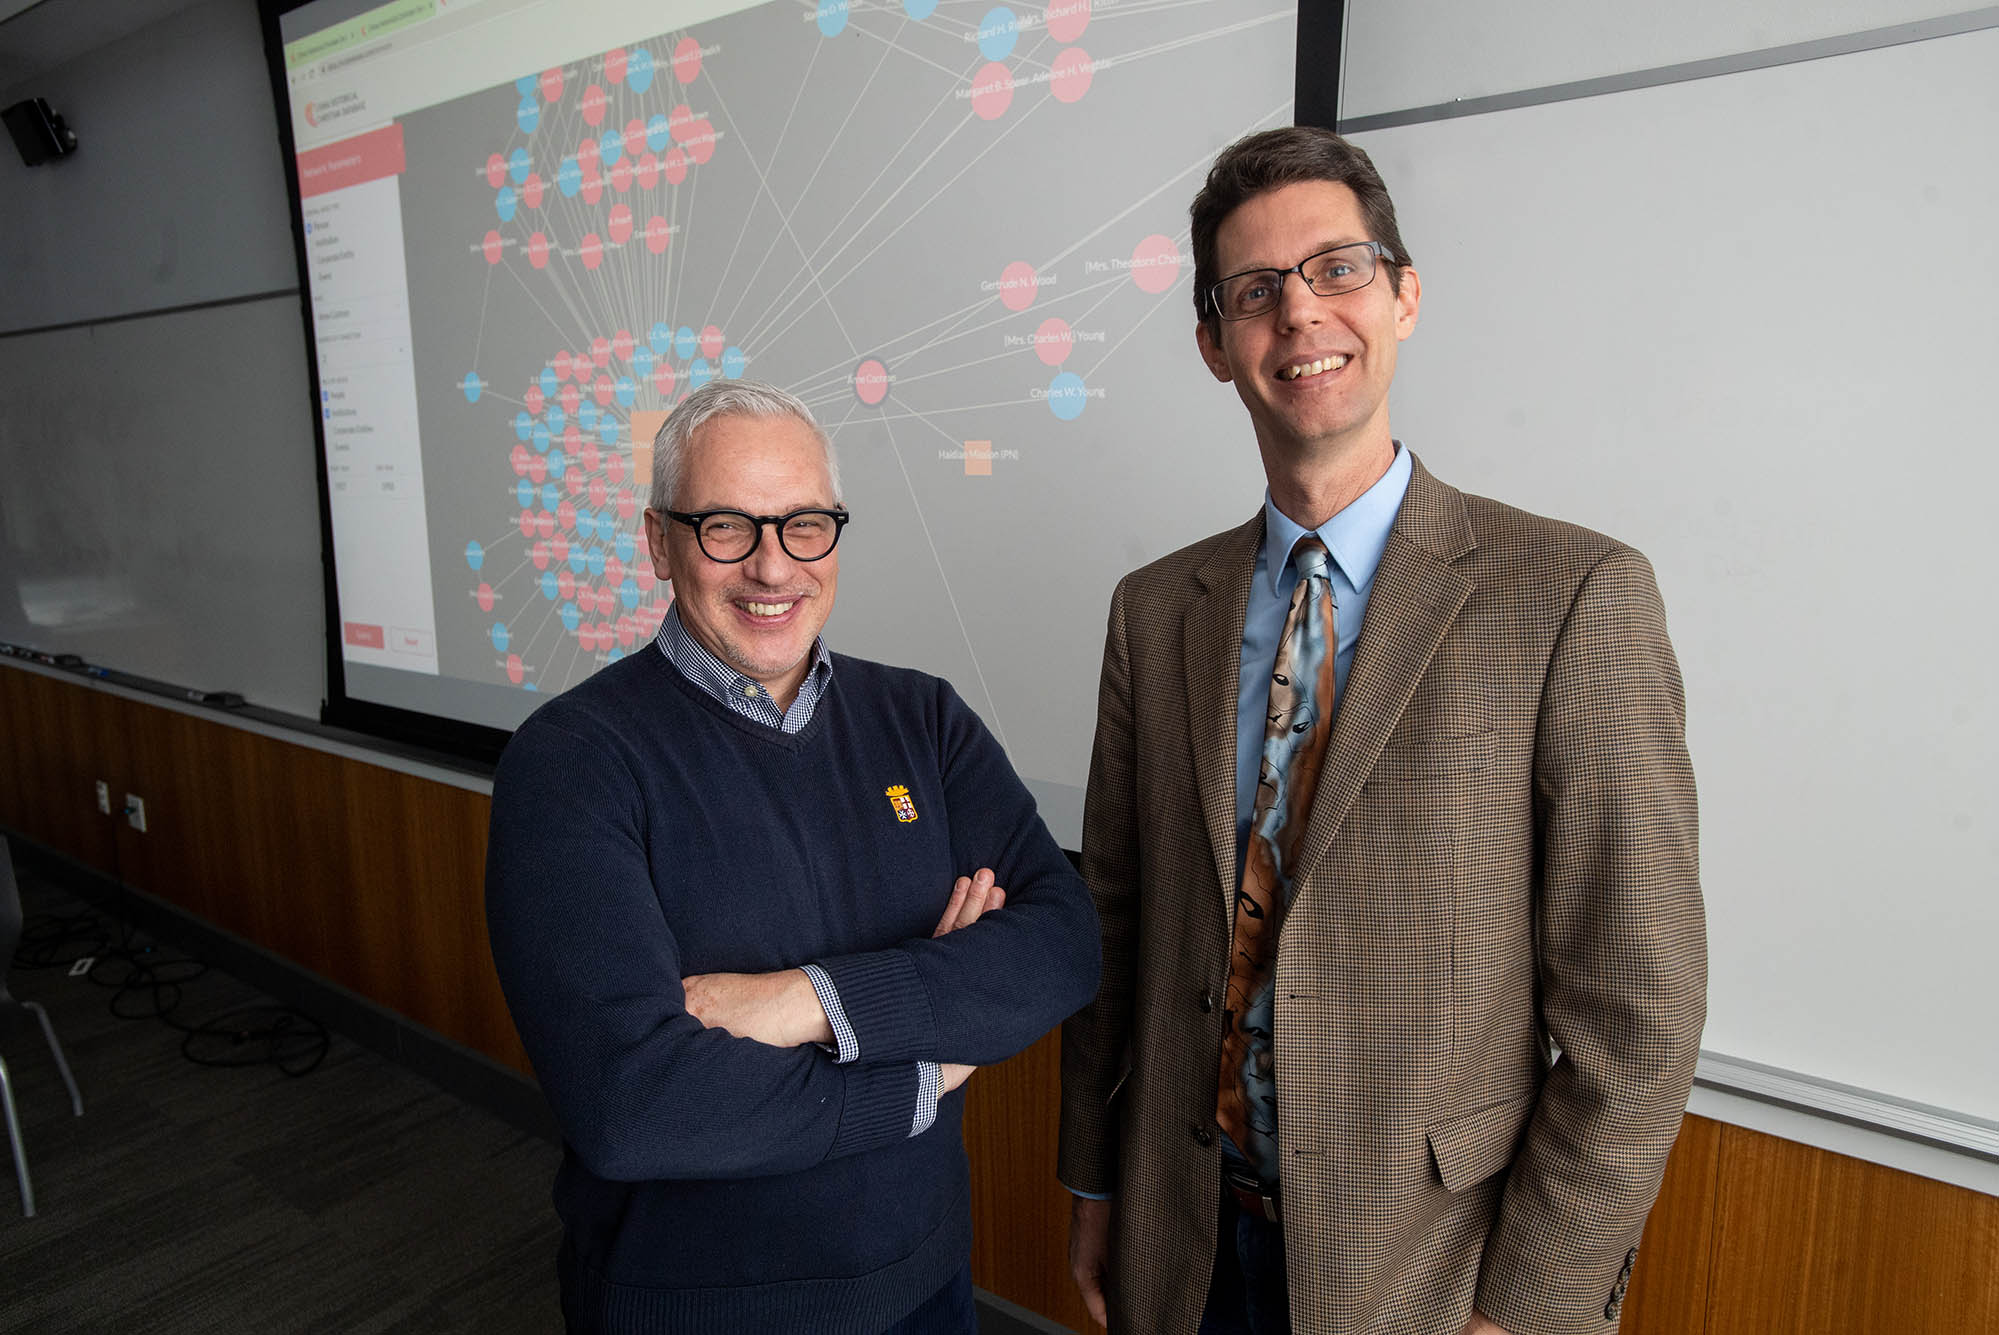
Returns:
<point x="905" y="810"/>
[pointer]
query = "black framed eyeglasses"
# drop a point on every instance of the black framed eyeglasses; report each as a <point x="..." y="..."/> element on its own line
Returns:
<point x="1254" y="292"/>
<point x="729" y="536"/>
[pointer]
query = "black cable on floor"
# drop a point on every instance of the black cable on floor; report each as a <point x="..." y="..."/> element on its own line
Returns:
<point x="147" y="982"/>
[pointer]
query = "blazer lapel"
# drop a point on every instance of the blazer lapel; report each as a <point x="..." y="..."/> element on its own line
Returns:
<point x="1416" y="596"/>
<point x="1211" y="641"/>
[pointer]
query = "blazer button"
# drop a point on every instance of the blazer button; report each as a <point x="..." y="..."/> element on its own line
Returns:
<point x="1208" y="1002"/>
<point x="1203" y="1137"/>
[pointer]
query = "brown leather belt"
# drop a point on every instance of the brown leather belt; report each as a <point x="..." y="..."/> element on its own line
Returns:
<point x="1254" y="1198"/>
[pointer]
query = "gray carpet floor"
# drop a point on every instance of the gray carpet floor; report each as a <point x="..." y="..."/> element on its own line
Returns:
<point x="356" y="1198"/>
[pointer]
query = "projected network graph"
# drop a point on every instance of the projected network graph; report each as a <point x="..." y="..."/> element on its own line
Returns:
<point x="930" y="231"/>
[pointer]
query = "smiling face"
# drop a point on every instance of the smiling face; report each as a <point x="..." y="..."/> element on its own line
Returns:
<point x="760" y="616"/>
<point x="1314" y="372"/>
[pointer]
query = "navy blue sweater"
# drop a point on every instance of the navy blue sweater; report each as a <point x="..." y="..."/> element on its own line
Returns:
<point x="642" y="832"/>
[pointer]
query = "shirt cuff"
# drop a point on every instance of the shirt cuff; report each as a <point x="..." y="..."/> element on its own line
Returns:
<point x="846" y="1044"/>
<point x="929" y="1092"/>
<point x="1087" y="1195"/>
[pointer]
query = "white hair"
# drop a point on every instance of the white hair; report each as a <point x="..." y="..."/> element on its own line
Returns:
<point x="724" y="398"/>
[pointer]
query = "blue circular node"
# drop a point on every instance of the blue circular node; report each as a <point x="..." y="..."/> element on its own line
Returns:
<point x="503" y="203"/>
<point x="558" y="462"/>
<point x="627" y="391"/>
<point x="551" y="384"/>
<point x="549" y="586"/>
<point x="586" y="523"/>
<point x="1066" y="396"/>
<point x="919" y="9"/>
<point x="578" y="558"/>
<point x="475" y="555"/>
<point x="550" y="497"/>
<point x="661" y="338"/>
<point x="998" y="31"/>
<point x="832" y="17"/>
<point x="733" y="363"/>
<point x="539" y="437"/>
<point x="658" y="133"/>
<point x="472" y="387"/>
<point x="556" y="419"/>
<point x="641" y="361"/>
<point x="500" y="636"/>
<point x="517" y="166"/>
<point x="525" y="85"/>
<point x="523" y="424"/>
<point x="571" y="618"/>
<point x="596" y="562"/>
<point x="638" y="70"/>
<point x="569" y="177"/>
<point x="586" y="415"/>
<point x="685" y="343"/>
<point x="607" y="429"/>
<point x="524" y="493"/>
<point x="699" y="374"/>
<point x="612" y="146"/>
<point x="527" y="115"/>
<point x="530" y="686"/>
<point x="628" y="594"/>
<point x="615" y="654"/>
<point x="625" y="545"/>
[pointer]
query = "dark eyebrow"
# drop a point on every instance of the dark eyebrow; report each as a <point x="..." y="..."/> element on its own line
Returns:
<point x="1319" y="249"/>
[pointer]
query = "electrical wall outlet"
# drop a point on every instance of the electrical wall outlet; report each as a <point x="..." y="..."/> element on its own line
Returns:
<point x="103" y="797"/>
<point x="135" y="812"/>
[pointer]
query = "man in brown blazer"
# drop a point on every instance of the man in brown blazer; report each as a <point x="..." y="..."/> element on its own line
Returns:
<point x="1489" y="973"/>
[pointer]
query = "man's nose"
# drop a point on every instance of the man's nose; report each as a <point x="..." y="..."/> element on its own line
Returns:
<point x="770" y="563"/>
<point x="1297" y="304"/>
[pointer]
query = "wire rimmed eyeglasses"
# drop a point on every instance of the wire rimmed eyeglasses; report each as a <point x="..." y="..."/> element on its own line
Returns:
<point x="1254" y="292"/>
<point x="730" y="536"/>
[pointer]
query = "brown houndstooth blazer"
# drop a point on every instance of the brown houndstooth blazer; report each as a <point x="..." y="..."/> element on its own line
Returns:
<point x="1501" y="857"/>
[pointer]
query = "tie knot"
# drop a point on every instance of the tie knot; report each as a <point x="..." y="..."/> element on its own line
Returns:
<point x="1310" y="557"/>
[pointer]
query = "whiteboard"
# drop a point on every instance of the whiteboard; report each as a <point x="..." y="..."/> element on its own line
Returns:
<point x="1649" y="313"/>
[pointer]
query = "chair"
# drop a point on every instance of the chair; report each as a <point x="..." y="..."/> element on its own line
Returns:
<point x="11" y="1013"/>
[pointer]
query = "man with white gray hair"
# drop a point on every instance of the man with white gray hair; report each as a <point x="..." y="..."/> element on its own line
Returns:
<point x="759" y="910"/>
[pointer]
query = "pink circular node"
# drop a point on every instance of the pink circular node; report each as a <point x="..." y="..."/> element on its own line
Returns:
<point x="992" y="91"/>
<point x="1017" y="285"/>
<point x="621" y="343"/>
<point x="614" y="571"/>
<point x="701" y="140"/>
<point x="551" y="85"/>
<point x="573" y="481"/>
<point x="620" y="227"/>
<point x="648" y="170"/>
<point x="496" y="171"/>
<point x="572" y="399"/>
<point x="687" y="60"/>
<point x="657" y="234"/>
<point x="538" y="254"/>
<point x="600" y="354"/>
<point x="614" y="468"/>
<point x="558" y="548"/>
<point x="572" y="435"/>
<point x="531" y="190"/>
<point x="642" y="576"/>
<point x="628" y="631"/>
<point x="1053" y="341"/>
<point x="519" y="457"/>
<point x="544" y="524"/>
<point x="580" y="363"/>
<point x="1070" y="76"/>
<point x="1155" y="264"/>
<point x="598" y="491"/>
<point x="565" y="585"/>
<point x="533" y="401"/>
<point x="594" y="103"/>
<point x="561" y="365"/>
<point x="663" y="378"/>
<point x="492" y="247"/>
<point x="677" y="122"/>
<point x="539" y="554"/>
<point x="527" y="523"/>
<point x="593" y="188"/>
<point x="621" y="175"/>
<point x="592" y="250"/>
<point x="600" y="390"/>
<point x="871" y="382"/>
<point x="565" y="515"/>
<point x="674" y="165"/>
<point x="614" y="65"/>
<point x="587" y="456"/>
<point x="635" y="137"/>
<point x="588" y="156"/>
<point x="538" y="469"/>
<point x="516" y="670"/>
<point x="712" y="342"/>
<point x="628" y="504"/>
<point x="485" y="597"/>
<point x="1067" y="19"/>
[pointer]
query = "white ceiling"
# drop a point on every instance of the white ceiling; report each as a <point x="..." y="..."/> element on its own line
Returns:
<point x="37" y="36"/>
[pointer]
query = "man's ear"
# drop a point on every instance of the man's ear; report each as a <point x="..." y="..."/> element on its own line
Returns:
<point x="1408" y="297"/>
<point x="1209" y="343"/>
<point x="662" y="561"/>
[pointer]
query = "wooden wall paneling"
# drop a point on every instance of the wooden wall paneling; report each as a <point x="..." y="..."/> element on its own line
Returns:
<point x="1020" y="1213"/>
<point x="57" y="746"/>
<point x="1807" y="1240"/>
<point x="1669" y="1285"/>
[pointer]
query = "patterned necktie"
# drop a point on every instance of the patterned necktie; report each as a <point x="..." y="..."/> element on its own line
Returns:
<point x="1297" y="725"/>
